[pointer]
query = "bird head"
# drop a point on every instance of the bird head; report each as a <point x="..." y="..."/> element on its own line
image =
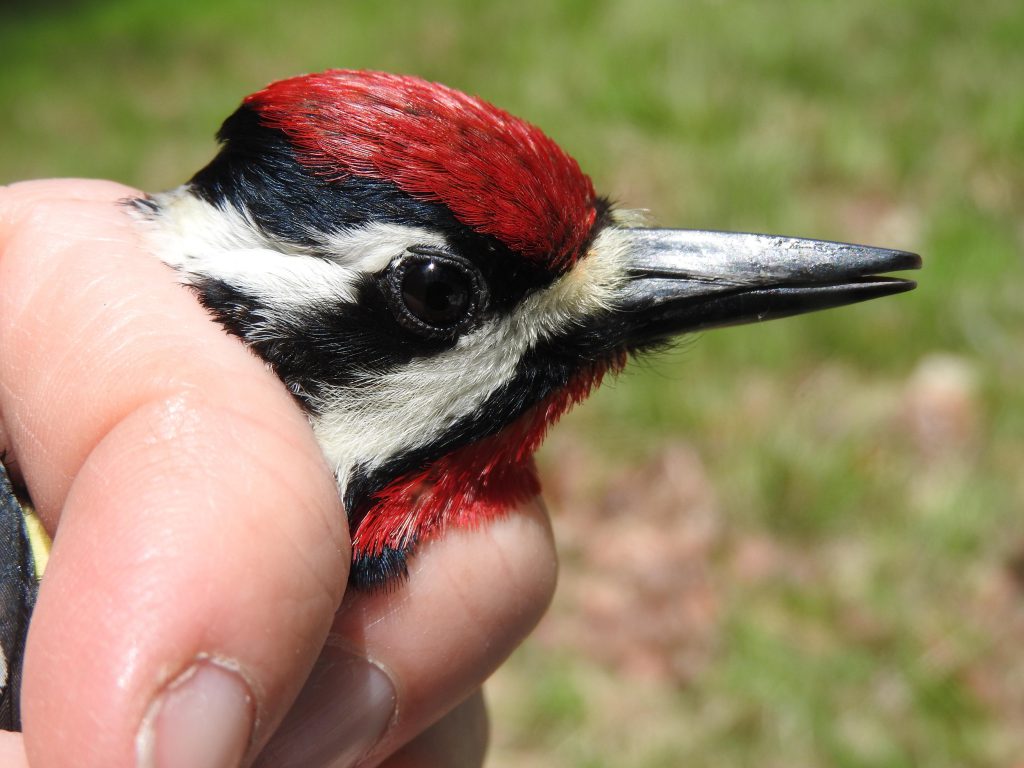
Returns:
<point x="437" y="282"/>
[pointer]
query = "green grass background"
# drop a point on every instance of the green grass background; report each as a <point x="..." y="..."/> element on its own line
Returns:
<point x="875" y="452"/>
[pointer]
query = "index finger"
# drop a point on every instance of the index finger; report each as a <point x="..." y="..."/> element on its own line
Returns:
<point x="169" y="459"/>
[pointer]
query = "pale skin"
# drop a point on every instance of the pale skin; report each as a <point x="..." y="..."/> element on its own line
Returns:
<point x="196" y="518"/>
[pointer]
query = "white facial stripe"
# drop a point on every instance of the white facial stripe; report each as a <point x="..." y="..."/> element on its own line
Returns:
<point x="408" y="408"/>
<point x="288" y="282"/>
<point x="201" y="239"/>
<point x="191" y="234"/>
<point x="372" y="247"/>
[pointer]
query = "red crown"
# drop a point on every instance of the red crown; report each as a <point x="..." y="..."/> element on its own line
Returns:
<point x="496" y="173"/>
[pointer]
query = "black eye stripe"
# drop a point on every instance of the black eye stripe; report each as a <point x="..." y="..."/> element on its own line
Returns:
<point x="433" y="293"/>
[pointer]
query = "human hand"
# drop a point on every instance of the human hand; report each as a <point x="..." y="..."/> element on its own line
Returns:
<point x="201" y="552"/>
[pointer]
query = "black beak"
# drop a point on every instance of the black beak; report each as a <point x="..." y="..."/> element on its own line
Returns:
<point x="683" y="280"/>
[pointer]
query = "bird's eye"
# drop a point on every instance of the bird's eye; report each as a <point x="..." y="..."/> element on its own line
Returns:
<point x="435" y="293"/>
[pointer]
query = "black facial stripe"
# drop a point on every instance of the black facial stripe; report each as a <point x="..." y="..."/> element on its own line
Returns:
<point x="329" y="347"/>
<point x="321" y="347"/>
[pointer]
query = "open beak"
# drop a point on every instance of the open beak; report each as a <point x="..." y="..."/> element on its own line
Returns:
<point x="684" y="280"/>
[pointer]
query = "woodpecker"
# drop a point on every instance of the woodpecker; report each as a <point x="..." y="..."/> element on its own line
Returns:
<point x="436" y="282"/>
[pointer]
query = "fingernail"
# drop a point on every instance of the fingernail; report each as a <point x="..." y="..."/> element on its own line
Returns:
<point x="340" y="715"/>
<point x="202" y="719"/>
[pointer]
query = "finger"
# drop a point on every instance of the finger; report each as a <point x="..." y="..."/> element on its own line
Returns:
<point x="458" y="740"/>
<point x="201" y="549"/>
<point x="12" y="751"/>
<point x="417" y="652"/>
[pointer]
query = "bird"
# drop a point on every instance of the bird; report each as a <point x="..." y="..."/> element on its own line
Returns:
<point x="436" y="282"/>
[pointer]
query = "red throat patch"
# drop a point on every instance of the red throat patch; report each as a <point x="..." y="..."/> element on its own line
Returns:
<point x="496" y="173"/>
<point x="473" y="484"/>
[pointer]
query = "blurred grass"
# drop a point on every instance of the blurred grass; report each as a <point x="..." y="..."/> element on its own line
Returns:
<point x="874" y="452"/>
